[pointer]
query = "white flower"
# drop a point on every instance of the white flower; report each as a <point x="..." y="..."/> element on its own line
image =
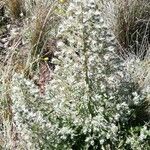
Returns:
<point x="114" y="128"/>
<point x="102" y="141"/>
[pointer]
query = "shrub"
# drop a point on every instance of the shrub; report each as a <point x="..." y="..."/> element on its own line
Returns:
<point x="140" y="73"/>
<point x="87" y="104"/>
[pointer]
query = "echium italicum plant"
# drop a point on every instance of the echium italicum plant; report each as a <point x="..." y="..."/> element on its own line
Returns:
<point x="85" y="105"/>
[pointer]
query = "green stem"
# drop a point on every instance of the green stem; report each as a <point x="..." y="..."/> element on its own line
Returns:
<point x="85" y="50"/>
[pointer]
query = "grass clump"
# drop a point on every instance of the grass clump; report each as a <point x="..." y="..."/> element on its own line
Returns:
<point x="44" y="20"/>
<point x="132" y="27"/>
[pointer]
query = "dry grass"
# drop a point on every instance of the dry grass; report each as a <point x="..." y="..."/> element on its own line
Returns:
<point x="21" y="58"/>
<point x="16" y="7"/>
<point x="129" y="20"/>
<point x="44" y="21"/>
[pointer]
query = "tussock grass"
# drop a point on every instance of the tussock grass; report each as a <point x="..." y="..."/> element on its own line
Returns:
<point x="130" y="22"/>
<point x="44" y="20"/>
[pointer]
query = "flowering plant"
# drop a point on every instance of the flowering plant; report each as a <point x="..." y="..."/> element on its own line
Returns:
<point x="86" y="105"/>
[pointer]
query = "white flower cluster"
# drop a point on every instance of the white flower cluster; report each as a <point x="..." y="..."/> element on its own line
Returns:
<point x="139" y="141"/>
